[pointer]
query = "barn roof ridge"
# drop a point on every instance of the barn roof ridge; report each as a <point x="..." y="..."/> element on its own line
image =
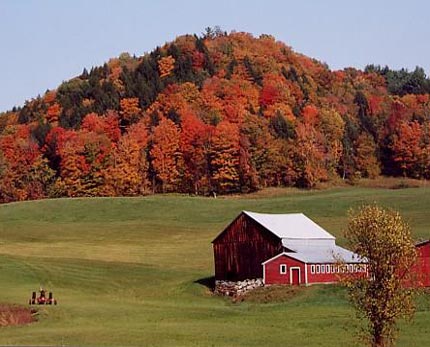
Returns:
<point x="331" y="255"/>
<point x="290" y="225"/>
<point x="422" y="243"/>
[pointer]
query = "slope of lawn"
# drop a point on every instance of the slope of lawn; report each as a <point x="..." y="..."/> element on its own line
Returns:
<point x="126" y="271"/>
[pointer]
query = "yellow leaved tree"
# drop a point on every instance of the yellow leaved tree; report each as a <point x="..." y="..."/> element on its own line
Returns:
<point x="386" y="294"/>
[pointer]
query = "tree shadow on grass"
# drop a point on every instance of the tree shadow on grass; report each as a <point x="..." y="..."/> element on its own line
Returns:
<point x="208" y="282"/>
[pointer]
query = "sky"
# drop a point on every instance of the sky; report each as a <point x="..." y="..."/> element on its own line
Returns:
<point x="45" y="42"/>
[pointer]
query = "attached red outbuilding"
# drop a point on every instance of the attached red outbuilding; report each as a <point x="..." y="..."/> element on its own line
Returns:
<point x="422" y="268"/>
<point x="285" y="268"/>
<point x="282" y="269"/>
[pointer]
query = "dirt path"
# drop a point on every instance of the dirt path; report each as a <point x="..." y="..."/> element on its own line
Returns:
<point x="15" y="315"/>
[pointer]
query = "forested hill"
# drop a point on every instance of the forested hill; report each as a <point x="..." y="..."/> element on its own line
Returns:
<point x="214" y="113"/>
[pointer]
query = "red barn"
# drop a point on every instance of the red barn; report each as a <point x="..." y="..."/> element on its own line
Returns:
<point x="281" y="249"/>
<point x="422" y="267"/>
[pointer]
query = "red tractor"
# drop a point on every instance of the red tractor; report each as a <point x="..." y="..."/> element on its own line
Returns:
<point x="42" y="299"/>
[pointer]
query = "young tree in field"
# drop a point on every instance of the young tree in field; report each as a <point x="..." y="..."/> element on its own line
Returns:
<point x="386" y="294"/>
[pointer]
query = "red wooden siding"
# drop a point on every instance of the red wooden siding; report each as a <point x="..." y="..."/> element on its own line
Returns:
<point x="329" y="273"/>
<point x="424" y="250"/>
<point x="322" y="277"/>
<point x="422" y="268"/>
<point x="272" y="274"/>
<point x="241" y="248"/>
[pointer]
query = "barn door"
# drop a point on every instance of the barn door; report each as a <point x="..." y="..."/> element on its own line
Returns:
<point x="295" y="276"/>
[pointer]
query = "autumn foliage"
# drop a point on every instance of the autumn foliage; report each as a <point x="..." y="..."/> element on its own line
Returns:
<point x="213" y="113"/>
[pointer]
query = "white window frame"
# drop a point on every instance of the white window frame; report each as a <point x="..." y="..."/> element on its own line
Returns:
<point x="333" y="269"/>
<point x="282" y="269"/>
<point x="318" y="269"/>
<point x="313" y="269"/>
<point x="322" y="268"/>
<point x="327" y="269"/>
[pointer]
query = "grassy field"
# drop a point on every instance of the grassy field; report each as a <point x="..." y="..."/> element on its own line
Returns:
<point x="126" y="271"/>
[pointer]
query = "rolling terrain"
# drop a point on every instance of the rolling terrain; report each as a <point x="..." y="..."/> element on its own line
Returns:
<point x="224" y="113"/>
<point x="127" y="271"/>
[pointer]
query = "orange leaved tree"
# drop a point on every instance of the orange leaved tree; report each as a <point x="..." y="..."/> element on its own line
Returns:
<point x="166" y="155"/>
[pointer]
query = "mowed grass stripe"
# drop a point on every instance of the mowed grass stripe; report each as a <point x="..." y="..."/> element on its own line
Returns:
<point x="125" y="271"/>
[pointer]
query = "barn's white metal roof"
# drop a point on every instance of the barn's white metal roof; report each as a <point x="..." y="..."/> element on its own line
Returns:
<point x="317" y="255"/>
<point x="290" y="226"/>
<point x="333" y="254"/>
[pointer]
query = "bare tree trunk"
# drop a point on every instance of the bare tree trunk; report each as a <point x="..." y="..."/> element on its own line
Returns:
<point x="378" y="336"/>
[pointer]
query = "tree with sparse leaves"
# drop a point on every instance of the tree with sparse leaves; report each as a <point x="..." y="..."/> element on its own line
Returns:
<point x="386" y="294"/>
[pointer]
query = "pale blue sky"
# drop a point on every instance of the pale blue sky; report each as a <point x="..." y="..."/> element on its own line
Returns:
<point x="45" y="42"/>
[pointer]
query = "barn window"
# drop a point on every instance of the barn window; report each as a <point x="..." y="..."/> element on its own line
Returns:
<point x="323" y="269"/>
<point x="327" y="269"/>
<point x="333" y="269"/>
<point x="282" y="269"/>
<point x="318" y="269"/>
<point x="312" y="269"/>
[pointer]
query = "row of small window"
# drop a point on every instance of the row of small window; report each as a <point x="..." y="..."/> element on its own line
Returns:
<point x="351" y="268"/>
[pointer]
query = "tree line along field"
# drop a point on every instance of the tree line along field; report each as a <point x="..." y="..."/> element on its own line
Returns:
<point x="126" y="271"/>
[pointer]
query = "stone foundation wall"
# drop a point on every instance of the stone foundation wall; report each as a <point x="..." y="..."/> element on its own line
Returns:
<point x="229" y="288"/>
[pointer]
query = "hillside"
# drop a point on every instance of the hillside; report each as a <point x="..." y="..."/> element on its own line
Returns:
<point x="219" y="112"/>
<point x="127" y="271"/>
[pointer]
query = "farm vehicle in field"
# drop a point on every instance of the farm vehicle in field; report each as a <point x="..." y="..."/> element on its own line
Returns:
<point x="42" y="299"/>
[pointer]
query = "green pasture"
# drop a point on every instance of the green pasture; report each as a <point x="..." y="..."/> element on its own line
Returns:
<point x="128" y="271"/>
